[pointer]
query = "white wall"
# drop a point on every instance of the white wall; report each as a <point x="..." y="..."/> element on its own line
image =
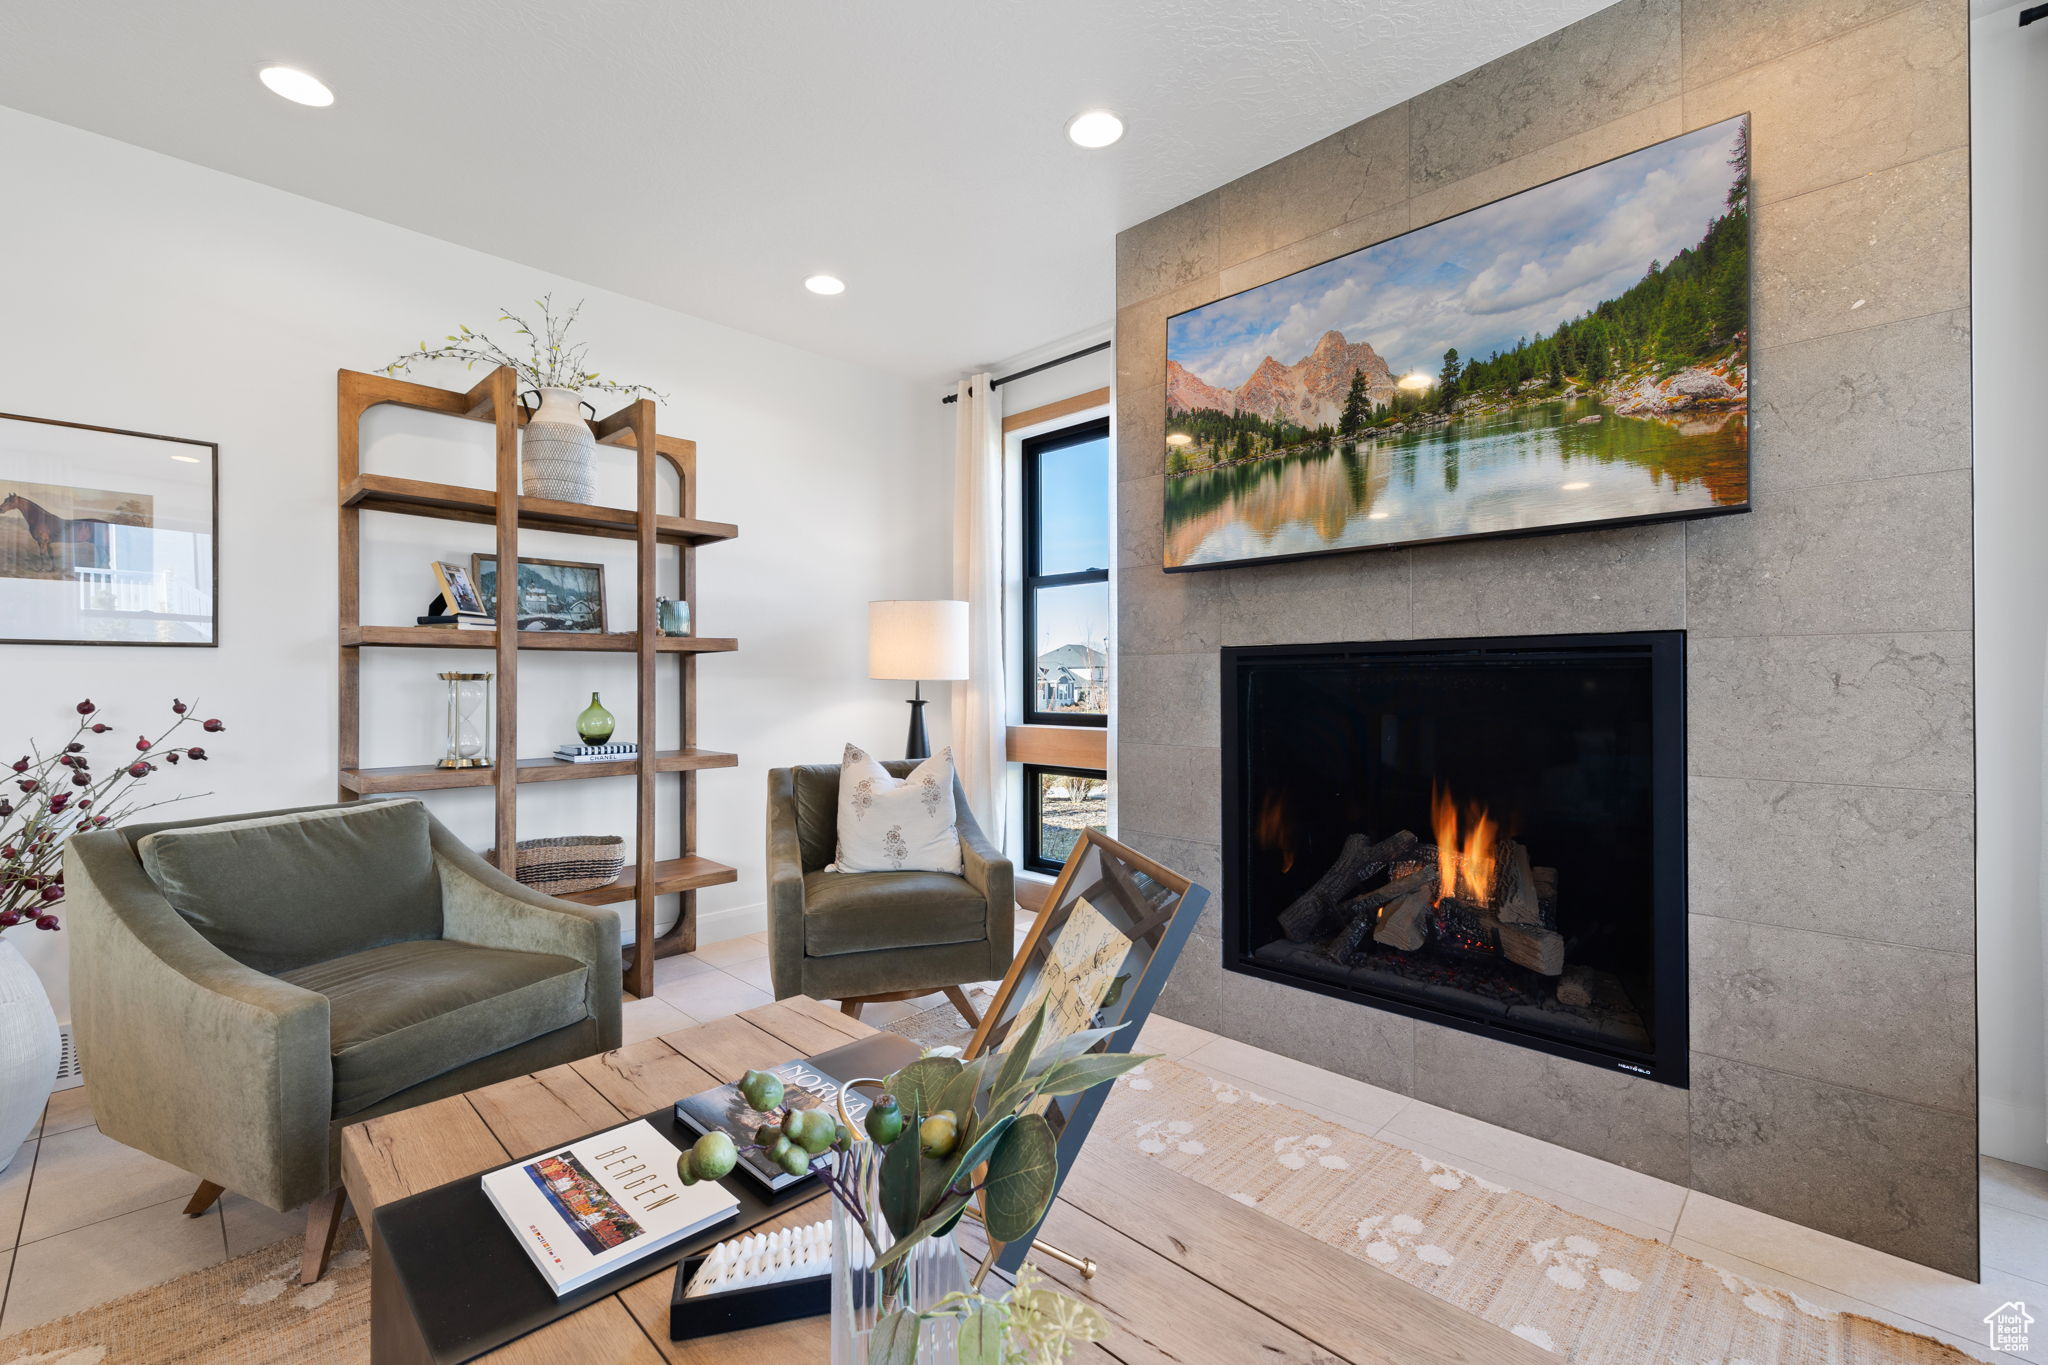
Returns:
<point x="2009" y="210"/>
<point x="147" y="293"/>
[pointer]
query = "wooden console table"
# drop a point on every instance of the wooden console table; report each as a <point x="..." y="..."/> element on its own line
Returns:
<point x="1188" y="1275"/>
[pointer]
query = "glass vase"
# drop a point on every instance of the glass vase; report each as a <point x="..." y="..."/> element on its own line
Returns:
<point x="862" y="1296"/>
<point x="596" y="724"/>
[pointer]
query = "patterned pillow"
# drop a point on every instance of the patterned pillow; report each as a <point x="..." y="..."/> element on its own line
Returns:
<point x="888" y="824"/>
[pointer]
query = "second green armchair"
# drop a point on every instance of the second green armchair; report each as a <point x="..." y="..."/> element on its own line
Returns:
<point x="863" y="937"/>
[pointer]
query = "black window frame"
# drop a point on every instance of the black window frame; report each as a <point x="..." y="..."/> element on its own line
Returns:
<point x="1096" y="429"/>
<point x="1033" y="826"/>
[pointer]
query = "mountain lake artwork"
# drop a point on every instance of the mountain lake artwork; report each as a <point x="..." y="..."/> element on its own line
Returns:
<point x="1575" y="354"/>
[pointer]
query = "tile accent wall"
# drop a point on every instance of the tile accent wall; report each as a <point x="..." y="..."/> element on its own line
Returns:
<point x="1830" y="816"/>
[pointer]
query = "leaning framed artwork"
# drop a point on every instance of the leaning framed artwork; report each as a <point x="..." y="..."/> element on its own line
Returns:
<point x="1574" y="355"/>
<point x="554" y="594"/>
<point x="107" y="537"/>
<point x="1097" y="954"/>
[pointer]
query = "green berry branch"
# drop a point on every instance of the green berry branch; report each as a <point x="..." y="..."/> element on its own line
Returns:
<point x="59" y="795"/>
<point x="950" y="1132"/>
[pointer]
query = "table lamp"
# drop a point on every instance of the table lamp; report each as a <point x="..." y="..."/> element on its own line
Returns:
<point x="918" y="642"/>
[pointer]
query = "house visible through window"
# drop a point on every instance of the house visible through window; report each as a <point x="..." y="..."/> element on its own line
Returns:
<point x="1066" y="627"/>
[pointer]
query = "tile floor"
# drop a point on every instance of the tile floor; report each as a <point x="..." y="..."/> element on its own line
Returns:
<point x="84" y="1219"/>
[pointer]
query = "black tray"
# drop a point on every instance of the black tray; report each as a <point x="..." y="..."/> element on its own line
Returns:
<point x="448" y="1281"/>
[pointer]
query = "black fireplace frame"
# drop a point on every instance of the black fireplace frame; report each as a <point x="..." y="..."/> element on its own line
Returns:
<point x="1665" y="651"/>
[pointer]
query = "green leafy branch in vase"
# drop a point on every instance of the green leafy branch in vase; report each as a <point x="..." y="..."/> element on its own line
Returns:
<point x="550" y="362"/>
<point x="951" y="1132"/>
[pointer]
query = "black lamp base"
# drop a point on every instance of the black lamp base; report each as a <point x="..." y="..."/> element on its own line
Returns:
<point x="918" y="745"/>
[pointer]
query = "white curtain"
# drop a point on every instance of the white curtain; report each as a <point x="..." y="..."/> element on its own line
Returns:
<point x="980" y="704"/>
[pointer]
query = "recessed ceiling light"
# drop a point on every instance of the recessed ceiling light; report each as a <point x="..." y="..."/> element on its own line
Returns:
<point x="825" y="284"/>
<point x="1179" y="438"/>
<point x="186" y="459"/>
<point x="1575" y="486"/>
<point x="1094" y="128"/>
<point x="296" y="86"/>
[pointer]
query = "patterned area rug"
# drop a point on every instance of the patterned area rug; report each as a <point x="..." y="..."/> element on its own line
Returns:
<point x="248" y="1311"/>
<point x="1586" y="1291"/>
<point x="940" y="1025"/>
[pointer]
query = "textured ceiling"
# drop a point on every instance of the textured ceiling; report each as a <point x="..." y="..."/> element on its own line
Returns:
<point x="708" y="157"/>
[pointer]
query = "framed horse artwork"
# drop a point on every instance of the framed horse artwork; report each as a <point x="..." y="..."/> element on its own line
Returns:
<point x="107" y="537"/>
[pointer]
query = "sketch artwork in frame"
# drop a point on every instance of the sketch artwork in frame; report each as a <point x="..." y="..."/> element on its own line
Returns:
<point x="1574" y="355"/>
<point x="1097" y="954"/>
<point x="107" y="537"/>
<point x="554" y="594"/>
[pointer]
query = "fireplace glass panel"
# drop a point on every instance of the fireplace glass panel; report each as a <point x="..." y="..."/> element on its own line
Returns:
<point x="1484" y="833"/>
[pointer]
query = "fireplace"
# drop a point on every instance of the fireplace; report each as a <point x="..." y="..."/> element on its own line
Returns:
<point x="1488" y="834"/>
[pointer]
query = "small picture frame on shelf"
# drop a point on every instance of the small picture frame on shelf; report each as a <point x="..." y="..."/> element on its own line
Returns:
<point x="553" y="594"/>
<point x="458" y="591"/>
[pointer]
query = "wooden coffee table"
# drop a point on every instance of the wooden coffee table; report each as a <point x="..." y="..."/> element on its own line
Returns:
<point x="1187" y="1275"/>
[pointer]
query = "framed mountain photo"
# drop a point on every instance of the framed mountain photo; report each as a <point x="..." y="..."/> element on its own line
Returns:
<point x="1574" y="355"/>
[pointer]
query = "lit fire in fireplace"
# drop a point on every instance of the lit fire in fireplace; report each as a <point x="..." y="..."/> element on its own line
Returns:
<point x="1272" y="829"/>
<point x="1467" y="842"/>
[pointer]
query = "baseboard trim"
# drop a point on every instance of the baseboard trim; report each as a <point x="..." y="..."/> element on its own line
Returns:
<point x="731" y="921"/>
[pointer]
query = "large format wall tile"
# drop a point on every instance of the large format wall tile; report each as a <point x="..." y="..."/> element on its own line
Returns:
<point x="1629" y="579"/>
<point x="1140" y="437"/>
<point x="1198" y="862"/>
<point x="1313" y="601"/>
<point x="1895" y="1176"/>
<point x="1722" y="37"/>
<point x="1167" y="252"/>
<point x="1876" y="554"/>
<point x="1875" y="97"/>
<point x="1141" y="331"/>
<point x="1343" y="1036"/>
<point x="1892" y="1020"/>
<point x="1582" y="147"/>
<point x="1622" y="59"/>
<point x="1326" y="245"/>
<point x="1880" y="710"/>
<point x="1881" y="863"/>
<point x="1166" y="613"/>
<point x="1360" y="171"/>
<point x="1867" y="404"/>
<point x="1892" y="245"/>
<point x="1609" y="1114"/>
<point x="1140" y="514"/>
<point x="1193" y="993"/>
<point x="1167" y="699"/>
<point x="1169" y="788"/>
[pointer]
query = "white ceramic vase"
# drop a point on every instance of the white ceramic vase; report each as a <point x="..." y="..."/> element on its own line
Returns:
<point x="29" y="1045"/>
<point x="557" y="454"/>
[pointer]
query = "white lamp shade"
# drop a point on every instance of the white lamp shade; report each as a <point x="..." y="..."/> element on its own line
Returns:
<point x="926" y="641"/>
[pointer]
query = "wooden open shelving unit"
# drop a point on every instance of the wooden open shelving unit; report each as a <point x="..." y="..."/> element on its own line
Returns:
<point x="495" y="401"/>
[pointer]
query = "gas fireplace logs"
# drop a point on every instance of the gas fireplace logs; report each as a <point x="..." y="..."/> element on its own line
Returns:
<point x="1516" y="919"/>
<point x="1319" y="912"/>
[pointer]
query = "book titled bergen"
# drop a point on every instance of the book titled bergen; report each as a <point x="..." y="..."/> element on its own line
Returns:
<point x="807" y="1083"/>
<point x="584" y="1210"/>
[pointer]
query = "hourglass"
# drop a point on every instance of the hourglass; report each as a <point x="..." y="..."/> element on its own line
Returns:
<point x="469" y="720"/>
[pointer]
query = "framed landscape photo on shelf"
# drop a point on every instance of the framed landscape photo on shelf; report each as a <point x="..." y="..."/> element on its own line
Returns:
<point x="553" y="594"/>
<point x="1573" y="355"/>
<point x="107" y="537"/>
<point x="1096" y="956"/>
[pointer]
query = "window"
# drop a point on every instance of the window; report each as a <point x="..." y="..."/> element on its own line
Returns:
<point x="1058" y="804"/>
<point x="1066" y="576"/>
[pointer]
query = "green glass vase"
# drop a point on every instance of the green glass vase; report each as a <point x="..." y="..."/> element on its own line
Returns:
<point x="596" y="724"/>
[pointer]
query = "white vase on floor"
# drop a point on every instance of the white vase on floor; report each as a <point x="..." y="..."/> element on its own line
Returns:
<point x="557" y="453"/>
<point x="29" y="1046"/>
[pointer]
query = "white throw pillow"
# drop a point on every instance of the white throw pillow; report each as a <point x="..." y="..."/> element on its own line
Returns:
<point x="889" y="824"/>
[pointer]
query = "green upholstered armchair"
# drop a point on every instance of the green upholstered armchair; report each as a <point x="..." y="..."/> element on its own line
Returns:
<point x="859" y="937"/>
<point x="244" y="988"/>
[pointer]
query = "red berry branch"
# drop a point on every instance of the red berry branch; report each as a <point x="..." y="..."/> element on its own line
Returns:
<point x="59" y="796"/>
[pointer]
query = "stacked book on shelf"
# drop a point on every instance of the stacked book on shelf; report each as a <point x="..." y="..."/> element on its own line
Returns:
<point x="461" y="621"/>
<point x="597" y="753"/>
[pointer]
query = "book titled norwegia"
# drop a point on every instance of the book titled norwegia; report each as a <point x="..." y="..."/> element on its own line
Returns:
<point x="584" y="1210"/>
<point x="807" y="1083"/>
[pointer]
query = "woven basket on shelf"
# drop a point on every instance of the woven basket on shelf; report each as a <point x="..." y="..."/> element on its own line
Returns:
<point x="573" y="862"/>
